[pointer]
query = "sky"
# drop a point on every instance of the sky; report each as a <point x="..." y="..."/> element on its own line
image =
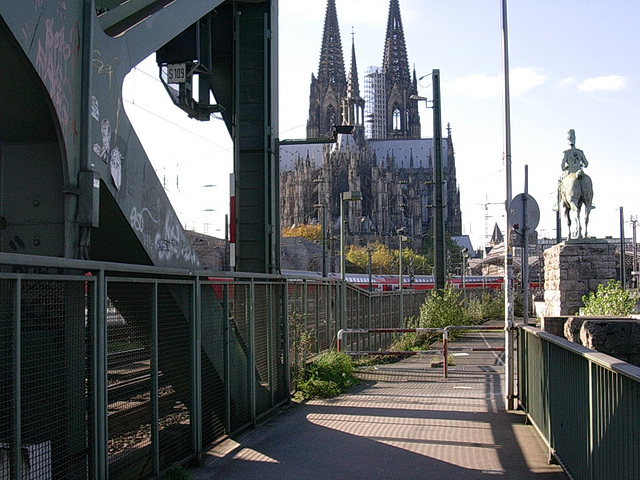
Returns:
<point x="572" y="66"/>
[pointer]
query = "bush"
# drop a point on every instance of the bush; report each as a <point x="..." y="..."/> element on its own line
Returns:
<point x="327" y="376"/>
<point x="442" y="308"/>
<point x="490" y="306"/>
<point x="610" y="299"/>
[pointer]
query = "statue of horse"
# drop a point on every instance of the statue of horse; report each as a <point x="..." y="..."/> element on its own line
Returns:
<point x="576" y="191"/>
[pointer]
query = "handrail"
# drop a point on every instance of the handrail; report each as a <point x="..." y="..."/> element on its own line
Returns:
<point x="601" y="359"/>
<point x="445" y="340"/>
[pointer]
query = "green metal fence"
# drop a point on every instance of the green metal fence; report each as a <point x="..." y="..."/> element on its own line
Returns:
<point x="119" y="371"/>
<point x="586" y="405"/>
<point x="315" y="316"/>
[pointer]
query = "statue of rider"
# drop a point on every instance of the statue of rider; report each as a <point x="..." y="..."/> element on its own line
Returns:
<point x="574" y="158"/>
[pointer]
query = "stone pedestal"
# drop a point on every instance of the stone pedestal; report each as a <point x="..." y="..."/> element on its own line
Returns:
<point x="573" y="269"/>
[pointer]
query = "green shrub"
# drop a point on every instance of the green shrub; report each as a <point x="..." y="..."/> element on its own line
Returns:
<point x="610" y="299"/>
<point x="442" y="308"/>
<point x="330" y="374"/>
<point x="316" y="388"/>
<point x="178" y="472"/>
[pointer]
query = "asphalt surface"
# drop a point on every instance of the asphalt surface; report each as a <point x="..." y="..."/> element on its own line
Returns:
<point x="404" y="421"/>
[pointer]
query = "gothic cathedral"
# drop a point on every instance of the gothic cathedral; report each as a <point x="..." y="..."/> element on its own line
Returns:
<point x="385" y="158"/>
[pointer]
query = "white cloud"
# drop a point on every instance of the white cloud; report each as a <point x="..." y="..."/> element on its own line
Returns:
<point x="603" y="82"/>
<point x="524" y="79"/>
<point x="483" y="85"/>
<point x="566" y="82"/>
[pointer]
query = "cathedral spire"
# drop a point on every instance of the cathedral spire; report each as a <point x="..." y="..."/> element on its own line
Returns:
<point x="330" y="87"/>
<point x="353" y="88"/>
<point x="402" y="117"/>
<point x="353" y="104"/>
<point x="395" y="61"/>
<point x="331" y="68"/>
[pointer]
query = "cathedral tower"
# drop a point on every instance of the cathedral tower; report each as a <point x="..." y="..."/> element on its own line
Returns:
<point x="401" y="112"/>
<point x="353" y="103"/>
<point x="330" y="87"/>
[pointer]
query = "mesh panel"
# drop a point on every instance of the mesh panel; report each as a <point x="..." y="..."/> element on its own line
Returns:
<point x="239" y="351"/>
<point x="278" y="345"/>
<point x="7" y="296"/>
<point x="262" y="340"/>
<point x="129" y="315"/>
<point x="214" y="313"/>
<point x="175" y="313"/>
<point x="53" y="422"/>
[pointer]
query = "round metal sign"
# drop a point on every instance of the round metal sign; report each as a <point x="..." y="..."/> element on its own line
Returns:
<point x="516" y="213"/>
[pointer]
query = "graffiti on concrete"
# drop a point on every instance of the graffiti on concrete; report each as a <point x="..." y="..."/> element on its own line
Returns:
<point x="103" y="150"/>
<point x="172" y="244"/>
<point x="166" y="242"/>
<point x="103" y="68"/>
<point x="53" y="57"/>
<point x="137" y="218"/>
<point x="115" y="165"/>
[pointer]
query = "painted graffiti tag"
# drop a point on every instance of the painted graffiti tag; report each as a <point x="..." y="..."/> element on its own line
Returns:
<point x="105" y="68"/>
<point x="137" y="218"/>
<point x="52" y="62"/>
<point x="172" y="243"/>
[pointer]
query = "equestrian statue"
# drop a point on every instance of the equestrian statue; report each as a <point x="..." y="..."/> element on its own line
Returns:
<point x="575" y="190"/>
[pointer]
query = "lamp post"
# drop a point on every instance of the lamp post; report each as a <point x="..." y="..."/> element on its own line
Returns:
<point x="465" y="255"/>
<point x="401" y="238"/>
<point x="324" y="237"/>
<point x="344" y="197"/>
<point x="438" y="228"/>
<point x="370" y="267"/>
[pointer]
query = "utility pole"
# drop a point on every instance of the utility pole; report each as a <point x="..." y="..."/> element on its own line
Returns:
<point x="509" y="371"/>
<point x="634" y="267"/>
<point x="439" y="252"/>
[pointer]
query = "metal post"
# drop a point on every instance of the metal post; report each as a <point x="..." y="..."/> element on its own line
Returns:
<point x="525" y="249"/>
<point x="324" y="241"/>
<point x="622" y="254"/>
<point x="439" y="253"/>
<point x="634" y="267"/>
<point x="400" y="277"/>
<point x="344" y="197"/>
<point x="343" y="285"/>
<point x="196" y="370"/>
<point x="509" y="372"/>
<point x="155" y="429"/>
<point x="16" y="448"/>
<point x="369" y="270"/>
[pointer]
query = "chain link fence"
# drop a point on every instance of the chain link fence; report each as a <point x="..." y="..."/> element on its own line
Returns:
<point x="120" y="372"/>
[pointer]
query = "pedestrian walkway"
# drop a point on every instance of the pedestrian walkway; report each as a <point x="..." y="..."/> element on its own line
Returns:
<point x="404" y="421"/>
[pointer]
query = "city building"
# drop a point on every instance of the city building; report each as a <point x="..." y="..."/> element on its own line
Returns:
<point x="385" y="158"/>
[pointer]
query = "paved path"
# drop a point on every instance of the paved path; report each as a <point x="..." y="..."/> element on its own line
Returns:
<point x="403" y="422"/>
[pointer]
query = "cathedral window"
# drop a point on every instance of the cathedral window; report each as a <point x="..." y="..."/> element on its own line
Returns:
<point x="397" y="119"/>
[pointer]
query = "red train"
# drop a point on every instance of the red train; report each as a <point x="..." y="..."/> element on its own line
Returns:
<point x="416" y="282"/>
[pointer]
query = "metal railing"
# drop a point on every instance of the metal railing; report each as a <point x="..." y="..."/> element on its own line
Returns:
<point x="586" y="405"/>
<point x="119" y="371"/>
<point x="315" y="316"/>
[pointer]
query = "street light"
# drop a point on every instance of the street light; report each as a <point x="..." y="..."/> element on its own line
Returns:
<point x="465" y="255"/>
<point x="438" y="228"/>
<point x="344" y="197"/>
<point x="324" y="237"/>
<point x="401" y="238"/>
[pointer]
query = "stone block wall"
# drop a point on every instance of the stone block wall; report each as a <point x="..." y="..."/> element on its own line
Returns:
<point x="573" y="269"/>
<point x="617" y="337"/>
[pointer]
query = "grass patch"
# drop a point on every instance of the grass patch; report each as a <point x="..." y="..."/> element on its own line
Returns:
<point x="330" y="374"/>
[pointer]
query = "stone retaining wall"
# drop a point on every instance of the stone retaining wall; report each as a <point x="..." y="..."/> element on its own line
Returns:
<point x="573" y="269"/>
<point x="618" y="337"/>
